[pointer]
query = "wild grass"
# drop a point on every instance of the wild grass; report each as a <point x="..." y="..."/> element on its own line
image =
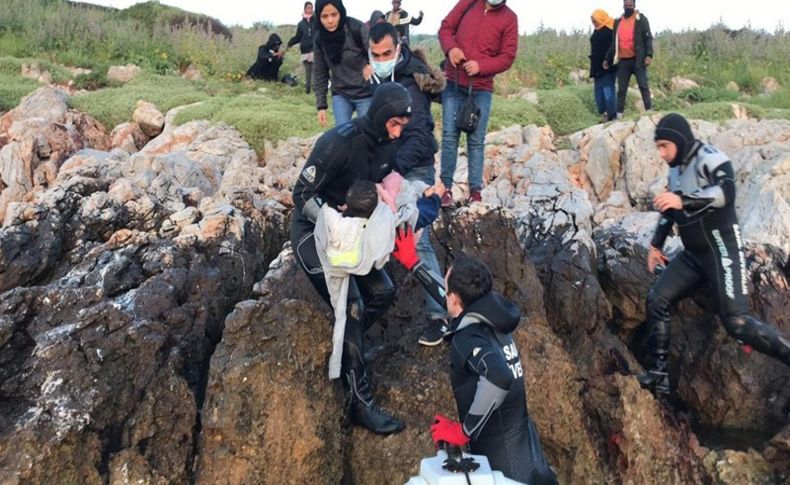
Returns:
<point x="163" y="41"/>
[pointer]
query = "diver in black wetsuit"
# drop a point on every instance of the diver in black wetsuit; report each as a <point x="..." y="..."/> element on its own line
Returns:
<point x="485" y="369"/>
<point x="701" y="201"/>
<point x="357" y="150"/>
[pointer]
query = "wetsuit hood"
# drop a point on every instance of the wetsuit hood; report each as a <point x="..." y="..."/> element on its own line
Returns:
<point x="390" y="100"/>
<point x="491" y="309"/>
<point x="675" y="128"/>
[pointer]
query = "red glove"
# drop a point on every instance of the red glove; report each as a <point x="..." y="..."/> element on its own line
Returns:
<point x="405" y="248"/>
<point x="449" y="431"/>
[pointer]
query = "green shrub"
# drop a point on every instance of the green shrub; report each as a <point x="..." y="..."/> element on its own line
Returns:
<point x="564" y="111"/>
<point x="276" y="114"/>
<point x="113" y="106"/>
<point x="14" y="88"/>
<point x="719" y="111"/>
<point x="706" y="95"/>
<point x="508" y="112"/>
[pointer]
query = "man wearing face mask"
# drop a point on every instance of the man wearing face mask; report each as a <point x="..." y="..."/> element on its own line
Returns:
<point x="485" y="369"/>
<point x="632" y="52"/>
<point x="353" y="151"/>
<point x="394" y="62"/>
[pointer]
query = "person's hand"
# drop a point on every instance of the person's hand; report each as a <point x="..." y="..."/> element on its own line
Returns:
<point x="435" y="189"/>
<point x="449" y="431"/>
<point x="279" y="54"/>
<point x="367" y="72"/>
<point x="456" y="56"/>
<point x="667" y="200"/>
<point x="322" y="117"/>
<point x="405" y="247"/>
<point x="655" y="257"/>
<point x="472" y="68"/>
<point x="648" y="61"/>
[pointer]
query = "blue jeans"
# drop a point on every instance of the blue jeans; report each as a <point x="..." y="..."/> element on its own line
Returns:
<point x="605" y="97"/>
<point x="424" y="248"/>
<point x="475" y="142"/>
<point x="344" y="107"/>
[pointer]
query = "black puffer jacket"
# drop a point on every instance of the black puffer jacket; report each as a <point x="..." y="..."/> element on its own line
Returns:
<point x="417" y="145"/>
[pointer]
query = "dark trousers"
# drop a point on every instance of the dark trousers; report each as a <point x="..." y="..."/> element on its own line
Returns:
<point x="369" y="296"/>
<point x="724" y="270"/>
<point x="625" y="69"/>
<point x="308" y="76"/>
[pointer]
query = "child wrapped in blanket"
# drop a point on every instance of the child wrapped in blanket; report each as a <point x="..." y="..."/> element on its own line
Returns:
<point x="361" y="237"/>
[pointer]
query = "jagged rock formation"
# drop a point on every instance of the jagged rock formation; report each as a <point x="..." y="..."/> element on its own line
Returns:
<point x="153" y="329"/>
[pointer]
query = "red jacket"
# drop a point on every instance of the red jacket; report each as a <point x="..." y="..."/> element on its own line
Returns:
<point x="488" y="37"/>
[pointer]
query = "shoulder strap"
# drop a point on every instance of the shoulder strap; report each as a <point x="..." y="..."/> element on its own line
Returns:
<point x="466" y="11"/>
<point x="356" y="33"/>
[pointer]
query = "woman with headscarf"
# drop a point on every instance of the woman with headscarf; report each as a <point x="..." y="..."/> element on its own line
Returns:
<point x="603" y="78"/>
<point x="270" y="58"/>
<point x="340" y="56"/>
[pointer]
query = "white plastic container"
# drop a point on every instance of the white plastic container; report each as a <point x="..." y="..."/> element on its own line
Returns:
<point x="432" y="473"/>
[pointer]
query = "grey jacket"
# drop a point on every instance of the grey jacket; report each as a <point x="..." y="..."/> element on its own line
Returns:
<point x="346" y="77"/>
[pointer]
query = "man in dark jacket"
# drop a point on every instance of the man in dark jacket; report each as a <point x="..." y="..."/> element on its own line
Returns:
<point x="401" y="20"/>
<point x="701" y="201"/>
<point x="270" y="58"/>
<point x="485" y="369"/>
<point x="353" y="151"/>
<point x="480" y="40"/>
<point x="305" y="31"/>
<point x="632" y="51"/>
<point x="414" y="159"/>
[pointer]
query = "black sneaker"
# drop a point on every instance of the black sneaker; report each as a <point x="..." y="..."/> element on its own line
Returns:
<point x="434" y="333"/>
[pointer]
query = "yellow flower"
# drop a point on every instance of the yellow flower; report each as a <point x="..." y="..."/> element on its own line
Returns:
<point x="163" y="55"/>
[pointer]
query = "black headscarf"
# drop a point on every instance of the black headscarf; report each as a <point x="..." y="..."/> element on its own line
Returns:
<point x="274" y="42"/>
<point x="332" y="42"/>
<point x="674" y="127"/>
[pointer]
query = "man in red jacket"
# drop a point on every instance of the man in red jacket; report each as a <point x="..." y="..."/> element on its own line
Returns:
<point x="480" y="40"/>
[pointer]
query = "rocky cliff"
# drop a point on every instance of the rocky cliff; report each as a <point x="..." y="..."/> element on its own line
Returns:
<point x="155" y="329"/>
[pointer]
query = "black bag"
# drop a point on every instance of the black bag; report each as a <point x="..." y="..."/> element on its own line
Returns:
<point x="468" y="115"/>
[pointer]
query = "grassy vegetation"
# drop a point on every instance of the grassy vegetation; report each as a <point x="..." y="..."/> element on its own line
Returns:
<point x="164" y="41"/>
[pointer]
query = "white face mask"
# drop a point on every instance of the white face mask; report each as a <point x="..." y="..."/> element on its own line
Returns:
<point x="384" y="69"/>
<point x="495" y="3"/>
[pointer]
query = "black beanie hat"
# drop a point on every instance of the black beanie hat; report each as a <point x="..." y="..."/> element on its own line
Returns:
<point x="389" y="101"/>
<point x="674" y="127"/>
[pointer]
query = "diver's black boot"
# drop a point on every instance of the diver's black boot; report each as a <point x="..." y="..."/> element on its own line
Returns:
<point x="362" y="410"/>
<point x="656" y="379"/>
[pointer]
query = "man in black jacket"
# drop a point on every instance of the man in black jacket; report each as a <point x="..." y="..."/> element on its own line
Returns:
<point x="701" y="201"/>
<point x="304" y="37"/>
<point x="270" y="58"/>
<point x="485" y="369"/>
<point x="401" y="20"/>
<point x="392" y="61"/>
<point x="632" y="51"/>
<point x="357" y="150"/>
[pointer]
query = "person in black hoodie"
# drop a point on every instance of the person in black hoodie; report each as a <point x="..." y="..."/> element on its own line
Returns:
<point x="270" y="58"/>
<point x="358" y="150"/>
<point x="392" y="61"/>
<point x="485" y="369"/>
<point x="305" y="30"/>
<point x="701" y="201"/>
<point x="340" y="55"/>
<point x="603" y="78"/>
